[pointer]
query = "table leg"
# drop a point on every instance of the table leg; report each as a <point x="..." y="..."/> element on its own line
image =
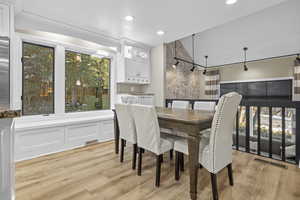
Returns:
<point x="193" y="146"/>
<point x="117" y="133"/>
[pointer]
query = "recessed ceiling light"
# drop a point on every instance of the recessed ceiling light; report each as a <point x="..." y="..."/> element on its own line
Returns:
<point x="230" y="2"/>
<point x="129" y="18"/>
<point x="160" y="32"/>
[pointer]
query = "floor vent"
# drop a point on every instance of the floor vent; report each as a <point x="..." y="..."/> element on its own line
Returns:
<point x="91" y="142"/>
<point x="271" y="163"/>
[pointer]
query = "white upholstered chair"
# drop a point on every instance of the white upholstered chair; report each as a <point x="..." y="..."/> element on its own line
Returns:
<point x="215" y="152"/>
<point x="205" y="105"/>
<point x="127" y="130"/>
<point x="181" y="104"/>
<point x="149" y="138"/>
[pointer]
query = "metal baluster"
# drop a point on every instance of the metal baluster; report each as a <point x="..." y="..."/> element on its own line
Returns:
<point x="283" y="134"/>
<point x="258" y="130"/>
<point x="270" y="132"/>
<point x="247" y="129"/>
<point x="237" y="124"/>
<point x="297" y="135"/>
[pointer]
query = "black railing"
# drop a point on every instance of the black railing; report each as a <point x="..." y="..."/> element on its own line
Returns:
<point x="263" y="125"/>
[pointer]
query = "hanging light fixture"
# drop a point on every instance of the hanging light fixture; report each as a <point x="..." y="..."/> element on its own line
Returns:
<point x="297" y="60"/>
<point x="178" y="60"/>
<point x="193" y="68"/>
<point x="245" y="60"/>
<point x="176" y="64"/>
<point x="175" y="58"/>
<point x="204" y="72"/>
<point x="193" y="46"/>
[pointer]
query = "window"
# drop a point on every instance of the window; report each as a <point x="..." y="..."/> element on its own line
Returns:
<point x="38" y="79"/>
<point x="87" y="82"/>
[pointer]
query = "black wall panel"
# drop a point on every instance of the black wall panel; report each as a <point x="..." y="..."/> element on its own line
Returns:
<point x="280" y="88"/>
<point x="257" y="89"/>
<point x="228" y="87"/>
<point x="242" y="88"/>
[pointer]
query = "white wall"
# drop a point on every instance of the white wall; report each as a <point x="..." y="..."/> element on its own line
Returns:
<point x="272" y="32"/>
<point x="27" y="21"/>
<point x="158" y="74"/>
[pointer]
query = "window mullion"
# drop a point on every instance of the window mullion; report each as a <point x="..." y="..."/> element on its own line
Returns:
<point x="59" y="86"/>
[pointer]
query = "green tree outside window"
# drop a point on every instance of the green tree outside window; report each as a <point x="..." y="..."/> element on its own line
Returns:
<point x="87" y="82"/>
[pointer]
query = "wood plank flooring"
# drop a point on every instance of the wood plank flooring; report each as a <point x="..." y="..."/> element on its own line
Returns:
<point x="95" y="173"/>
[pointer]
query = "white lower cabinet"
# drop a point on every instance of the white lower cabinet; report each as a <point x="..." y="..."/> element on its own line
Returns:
<point x="42" y="141"/>
<point x="37" y="142"/>
<point x="107" y="130"/>
<point x="79" y="135"/>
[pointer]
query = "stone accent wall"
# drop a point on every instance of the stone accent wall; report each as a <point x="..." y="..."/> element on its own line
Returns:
<point x="181" y="83"/>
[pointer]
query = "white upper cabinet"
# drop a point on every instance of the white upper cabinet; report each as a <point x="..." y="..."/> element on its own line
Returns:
<point x="134" y="65"/>
<point x="4" y="20"/>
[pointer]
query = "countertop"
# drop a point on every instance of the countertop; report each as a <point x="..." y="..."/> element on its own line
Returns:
<point x="9" y="113"/>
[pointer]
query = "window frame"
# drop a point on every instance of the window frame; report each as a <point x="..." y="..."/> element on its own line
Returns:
<point x="82" y="51"/>
<point x="53" y="76"/>
<point x="60" y="47"/>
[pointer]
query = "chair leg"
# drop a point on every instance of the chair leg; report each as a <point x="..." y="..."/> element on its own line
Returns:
<point x="214" y="186"/>
<point x="139" y="172"/>
<point x="182" y="162"/>
<point x="229" y="168"/>
<point x="134" y="156"/>
<point x="200" y="166"/>
<point x="158" y="168"/>
<point x="122" y="150"/>
<point x="171" y="154"/>
<point x="177" y="160"/>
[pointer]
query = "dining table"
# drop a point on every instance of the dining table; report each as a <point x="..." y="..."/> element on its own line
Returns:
<point x="184" y="123"/>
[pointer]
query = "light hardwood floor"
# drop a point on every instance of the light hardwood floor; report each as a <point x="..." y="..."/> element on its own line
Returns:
<point x="95" y="173"/>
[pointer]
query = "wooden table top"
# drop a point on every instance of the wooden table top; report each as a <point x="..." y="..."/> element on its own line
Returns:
<point x="194" y="117"/>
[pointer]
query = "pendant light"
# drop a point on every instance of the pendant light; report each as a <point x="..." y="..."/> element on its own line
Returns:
<point x="245" y="60"/>
<point x="177" y="62"/>
<point x="193" y="68"/>
<point x="297" y="60"/>
<point x="193" y="46"/>
<point x="204" y="72"/>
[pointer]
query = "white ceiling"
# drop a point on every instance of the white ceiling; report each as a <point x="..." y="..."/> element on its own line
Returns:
<point x="178" y="18"/>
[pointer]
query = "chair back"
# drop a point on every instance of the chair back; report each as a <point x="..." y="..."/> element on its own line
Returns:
<point x="220" y="143"/>
<point x="147" y="127"/>
<point x="181" y="104"/>
<point x="126" y="123"/>
<point x="205" y="105"/>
